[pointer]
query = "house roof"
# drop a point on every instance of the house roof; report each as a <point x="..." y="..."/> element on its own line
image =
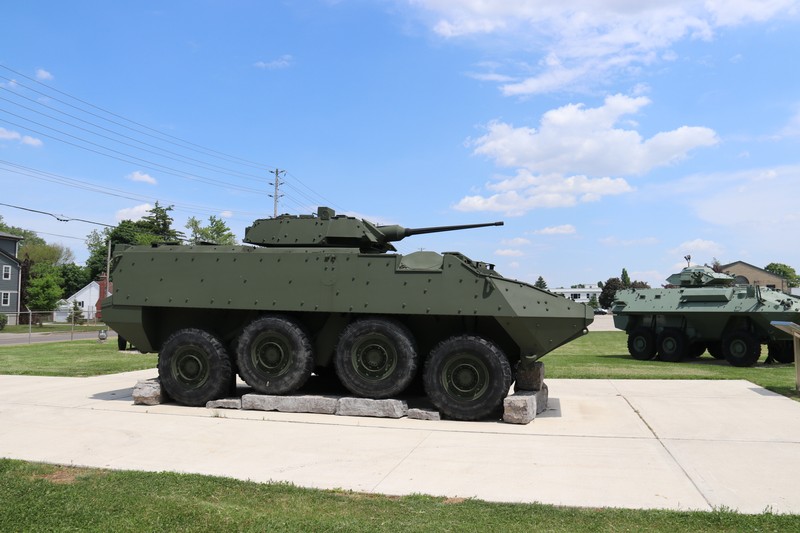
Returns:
<point x="725" y="267"/>
<point x="4" y="235"/>
<point x="11" y="257"/>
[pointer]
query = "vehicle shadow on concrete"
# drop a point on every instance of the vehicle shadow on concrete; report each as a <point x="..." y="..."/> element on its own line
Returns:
<point x="120" y="395"/>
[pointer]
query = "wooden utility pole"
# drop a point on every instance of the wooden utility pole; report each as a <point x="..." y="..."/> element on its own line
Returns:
<point x="277" y="184"/>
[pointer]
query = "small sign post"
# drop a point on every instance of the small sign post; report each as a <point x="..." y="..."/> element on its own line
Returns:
<point x="794" y="330"/>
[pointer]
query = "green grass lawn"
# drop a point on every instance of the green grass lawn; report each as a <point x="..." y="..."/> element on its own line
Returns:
<point x="40" y="497"/>
<point x="54" y="498"/>
<point x="604" y="355"/>
<point x="71" y="358"/>
<point x="51" y="328"/>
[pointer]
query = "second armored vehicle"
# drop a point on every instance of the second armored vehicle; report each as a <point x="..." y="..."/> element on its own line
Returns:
<point x="706" y="311"/>
<point x="324" y="292"/>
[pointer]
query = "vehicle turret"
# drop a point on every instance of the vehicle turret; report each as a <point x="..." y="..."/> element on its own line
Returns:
<point x="699" y="276"/>
<point x="327" y="229"/>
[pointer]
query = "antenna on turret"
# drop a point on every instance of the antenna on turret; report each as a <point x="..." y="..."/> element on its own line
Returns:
<point x="688" y="260"/>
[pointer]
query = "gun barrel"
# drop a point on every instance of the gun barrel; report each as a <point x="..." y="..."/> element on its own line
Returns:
<point x="396" y="233"/>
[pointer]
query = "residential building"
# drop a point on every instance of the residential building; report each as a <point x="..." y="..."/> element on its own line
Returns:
<point x="747" y="274"/>
<point x="580" y="293"/>
<point x="10" y="278"/>
<point x="86" y="298"/>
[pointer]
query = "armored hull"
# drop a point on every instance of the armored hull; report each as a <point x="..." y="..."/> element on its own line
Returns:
<point x="706" y="312"/>
<point x="277" y="311"/>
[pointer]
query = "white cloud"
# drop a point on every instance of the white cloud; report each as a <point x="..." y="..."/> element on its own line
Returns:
<point x="226" y="214"/>
<point x="564" y="229"/>
<point x="517" y="241"/>
<point x="508" y="252"/>
<point x="133" y="213"/>
<point x="10" y="135"/>
<point x="282" y="62"/>
<point x="578" y="44"/>
<point x="700" y="247"/>
<point x="141" y="177"/>
<point x="577" y="139"/>
<point x="43" y="75"/>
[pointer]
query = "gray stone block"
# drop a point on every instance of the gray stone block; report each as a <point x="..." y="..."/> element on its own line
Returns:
<point x="149" y="392"/>
<point x="523" y="406"/>
<point x="369" y="407"/>
<point x="529" y="376"/>
<point x="225" y="403"/>
<point x="424" y="414"/>
<point x="291" y="404"/>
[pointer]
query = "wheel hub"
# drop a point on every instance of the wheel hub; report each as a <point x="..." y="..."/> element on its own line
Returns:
<point x="374" y="360"/>
<point x="465" y="377"/>
<point x="271" y="355"/>
<point x="189" y="367"/>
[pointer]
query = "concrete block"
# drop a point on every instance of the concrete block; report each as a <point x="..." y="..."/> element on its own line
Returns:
<point x="149" y="392"/>
<point x="225" y="403"/>
<point x="523" y="406"/>
<point x="291" y="404"/>
<point x="424" y="414"/>
<point x="369" y="407"/>
<point x="529" y="377"/>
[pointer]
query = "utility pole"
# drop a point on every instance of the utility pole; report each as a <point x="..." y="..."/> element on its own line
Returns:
<point x="277" y="183"/>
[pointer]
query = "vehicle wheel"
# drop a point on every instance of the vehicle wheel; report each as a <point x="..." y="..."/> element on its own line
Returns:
<point x="122" y="344"/>
<point x="194" y="367"/>
<point x="467" y="377"/>
<point x="274" y="355"/>
<point x="696" y="349"/>
<point x="672" y="345"/>
<point x="376" y="357"/>
<point x="642" y="344"/>
<point x="781" y="351"/>
<point x="715" y="349"/>
<point x="741" y="348"/>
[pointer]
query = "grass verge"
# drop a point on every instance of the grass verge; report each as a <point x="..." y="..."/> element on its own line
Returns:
<point x="71" y="359"/>
<point x="55" y="498"/>
<point x="52" y="328"/>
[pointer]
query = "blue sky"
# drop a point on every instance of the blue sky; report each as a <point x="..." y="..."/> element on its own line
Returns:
<point x="624" y="136"/>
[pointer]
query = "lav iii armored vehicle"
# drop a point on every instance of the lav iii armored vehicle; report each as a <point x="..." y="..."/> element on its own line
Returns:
<point x="323" y="292"/>
<point x="706" y="311"/>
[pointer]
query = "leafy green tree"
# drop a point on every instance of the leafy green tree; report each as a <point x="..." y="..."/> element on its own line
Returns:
<point x="593" y="303"/>
<point x="639" y="285"/>
<point x="217" y="231"/>
<point x="625" y="279"/>
<point x="28" y="237"/>
<point x="76" y="314"/>
<point x="540" y="283"/>
<point x="610" y="288"/>
<point x="74" y="278"/>
<point x="51" y="254"/>
<point x="157" y="226"/>
<point x="785" y="271"/>
<point x="43" y="288"/>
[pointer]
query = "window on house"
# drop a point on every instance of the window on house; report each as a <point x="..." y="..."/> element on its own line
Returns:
<point x="575" y="296"/>
<point x="5" y="299"/>
<point x="6" y="272"/>
<point x="80" y="304"/>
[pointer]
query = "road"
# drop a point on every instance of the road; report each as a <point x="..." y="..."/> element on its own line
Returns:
<point x="9" y="339"/>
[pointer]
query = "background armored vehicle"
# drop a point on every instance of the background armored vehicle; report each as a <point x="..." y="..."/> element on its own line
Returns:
<point x="325" y="292"/>
<point x="705" y="311"/>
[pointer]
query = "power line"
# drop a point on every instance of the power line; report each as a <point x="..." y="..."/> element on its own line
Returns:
<point x="60" y="218"/>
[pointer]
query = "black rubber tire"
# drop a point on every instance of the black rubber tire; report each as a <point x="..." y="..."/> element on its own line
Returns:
<point x="715" y="350"/>
<point x="274" y="355"/>
<point x="672" y="345"/>
<point x="376" y="357"/>
<point x="642" y="344"/>
<point x="696" y="349"/>
<point x="467" y="377"/>
<point x="194" y="367"/>
<point x="741" y="348"/>
<point x="122" y="344"/>
<point x="781" y="351"/>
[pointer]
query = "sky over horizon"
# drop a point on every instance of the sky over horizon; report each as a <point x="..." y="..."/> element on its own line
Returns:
<point x="623" y="137"/>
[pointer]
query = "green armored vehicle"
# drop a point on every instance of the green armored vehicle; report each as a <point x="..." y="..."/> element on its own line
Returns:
<point x="326" y="292"/>
<point x="706" y="311"/>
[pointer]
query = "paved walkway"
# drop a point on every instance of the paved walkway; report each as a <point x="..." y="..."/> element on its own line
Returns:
<point x="620" y="443"/>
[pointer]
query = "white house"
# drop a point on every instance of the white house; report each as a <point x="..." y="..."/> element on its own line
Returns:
<point x="580" y="293"/>
<point x="87" y="299"/>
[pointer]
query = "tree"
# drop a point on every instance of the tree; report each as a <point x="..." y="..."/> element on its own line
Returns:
<point x="76" y="314"/>
<point x="540" y="283"/>
<point x="625" y="279"/>
<point x="610" y="288"/>
<point x="593" y="303"/>
<point x="784" y="271"/>
<point x="51" y="254"/>
<point x="217" y="231"/>
<point x="43" y="289"/>
<point x="716" y="266"/>
<point x="74" y="278"/>
<point x="639" y="285"/>
<point x="157" y="226"/>
<point x="28" y="236"/>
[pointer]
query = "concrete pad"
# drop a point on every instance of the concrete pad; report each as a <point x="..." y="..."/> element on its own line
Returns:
<point x="636" y="444"/>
